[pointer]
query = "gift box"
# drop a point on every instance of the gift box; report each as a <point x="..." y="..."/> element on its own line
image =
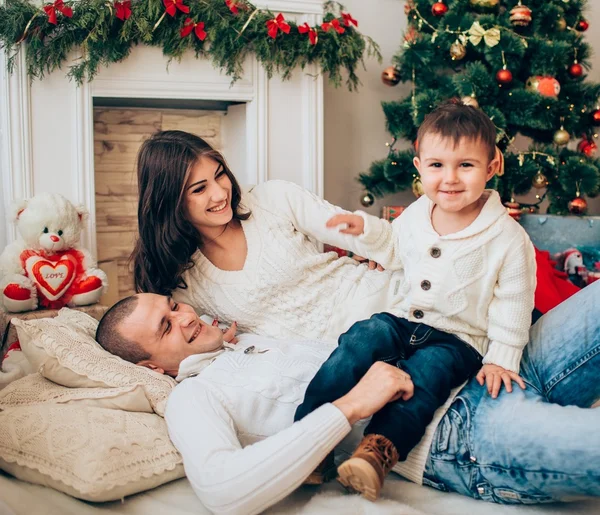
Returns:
<point x="390" y="213"/>
<point x="558" y="233"/>
<point x="8" y="332"/>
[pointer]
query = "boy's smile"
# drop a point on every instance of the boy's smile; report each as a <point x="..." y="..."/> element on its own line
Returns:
<point x="454" y="175"/>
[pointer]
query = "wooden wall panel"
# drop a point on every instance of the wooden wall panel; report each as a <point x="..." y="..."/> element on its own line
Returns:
<point x="118" y="134"/>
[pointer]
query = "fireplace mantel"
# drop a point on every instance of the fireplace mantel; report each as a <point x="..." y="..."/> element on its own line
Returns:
<point x="46" y="127"/>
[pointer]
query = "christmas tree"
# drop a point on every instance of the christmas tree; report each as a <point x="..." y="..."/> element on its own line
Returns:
<point x="523" y="63"/>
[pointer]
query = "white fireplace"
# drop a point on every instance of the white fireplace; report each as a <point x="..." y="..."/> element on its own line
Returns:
<point x="275" y="130"/>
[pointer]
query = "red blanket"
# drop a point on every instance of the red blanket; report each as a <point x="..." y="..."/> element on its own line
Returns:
<point x="553" y="285"/>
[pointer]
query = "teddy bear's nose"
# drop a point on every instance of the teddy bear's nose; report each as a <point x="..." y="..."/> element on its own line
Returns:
<point x="55" y="239"/>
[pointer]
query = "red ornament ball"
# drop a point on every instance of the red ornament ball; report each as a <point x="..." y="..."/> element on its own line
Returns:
<point x="439" y="9"/>
<point x="596" y="117"/>
<point x="504" y="76"/>
<point x="582" y="25"/>
<point x="575" y="70"/>
<point x="587" y="147"/>
<point x="578" y="206"/>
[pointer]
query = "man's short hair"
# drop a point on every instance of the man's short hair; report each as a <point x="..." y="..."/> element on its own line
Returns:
<point x="455" y="121"/>
<point x="109" y="337"/>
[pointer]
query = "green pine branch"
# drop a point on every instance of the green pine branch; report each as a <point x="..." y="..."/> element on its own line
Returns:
<point x="546" y="47"/>
<point x="100" y="38"/>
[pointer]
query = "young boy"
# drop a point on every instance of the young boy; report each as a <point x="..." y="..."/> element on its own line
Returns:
<point x="466" y="299"/>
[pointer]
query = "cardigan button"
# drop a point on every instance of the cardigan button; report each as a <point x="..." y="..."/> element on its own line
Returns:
<point x="435" y="252"/>
<point x="425" y="285"/>
<point x="418" y="314"/>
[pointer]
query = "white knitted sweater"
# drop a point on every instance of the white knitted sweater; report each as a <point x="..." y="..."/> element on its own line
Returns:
<point x="232" y="422"/>
<point x="287" y="287"/>
<point x="477" y="283"/>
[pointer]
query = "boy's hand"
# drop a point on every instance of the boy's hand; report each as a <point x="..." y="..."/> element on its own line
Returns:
<point x="355" y="224"/>
<point x="495" y="375"/>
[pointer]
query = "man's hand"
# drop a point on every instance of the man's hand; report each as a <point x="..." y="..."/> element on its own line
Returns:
<point x="372" y="264"/>
<point x="495" y="375"/>
<point x="381" y="384"/>
<point x="354" y="224"/>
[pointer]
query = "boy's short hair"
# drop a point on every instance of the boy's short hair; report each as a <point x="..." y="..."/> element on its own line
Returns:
<point x="455" y="120"/>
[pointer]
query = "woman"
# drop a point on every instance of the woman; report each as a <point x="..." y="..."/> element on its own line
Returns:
<point x="249" y="257"/>
<point x="246" y="257"/>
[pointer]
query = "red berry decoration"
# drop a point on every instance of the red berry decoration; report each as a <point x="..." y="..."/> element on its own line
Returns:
<point x="582" y="25"/>
<point x="504" y="76"/>
<point x="439" y="9"/>
<point x="596" y="117"/>
<point x="575" y="70"/>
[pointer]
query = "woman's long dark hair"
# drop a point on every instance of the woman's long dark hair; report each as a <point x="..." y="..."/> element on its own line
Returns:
<point x="167" y="240"/>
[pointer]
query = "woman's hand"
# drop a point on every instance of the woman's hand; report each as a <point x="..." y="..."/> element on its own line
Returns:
<point x="372" y="264"/>
<point x="495" y="375"/>
<point x="228" y="334"/>
<point x="355" y="224"/>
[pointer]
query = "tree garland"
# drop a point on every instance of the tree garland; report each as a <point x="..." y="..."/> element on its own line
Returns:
<point x="224" y="31"/>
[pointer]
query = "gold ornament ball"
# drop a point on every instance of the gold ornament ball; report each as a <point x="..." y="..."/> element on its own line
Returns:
<point x="561" y="137"/>
<point x="470" y="101"/>
<point x="578" y="206"/>
<point x="539" y="181"/>
<point x="367" y="200"/>
<point x="417" y="187"/>
<point x="484" y="4"/>
<point x="532" y="83"/>
<point x="457" y="51"/>
<point x="520" y="16"/>
<point x="390" y="76"/>
<point x="561" y="24"/>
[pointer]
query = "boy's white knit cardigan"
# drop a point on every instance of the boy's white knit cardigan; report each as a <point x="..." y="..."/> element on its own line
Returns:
<point x="477" y="283"/>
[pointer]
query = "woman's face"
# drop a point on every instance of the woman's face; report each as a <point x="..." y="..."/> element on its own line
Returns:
<point x="207" y="196"/>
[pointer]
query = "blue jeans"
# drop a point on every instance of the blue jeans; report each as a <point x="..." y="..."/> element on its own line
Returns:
<point x="436" y="362"/>
<point x="537" y="445"/>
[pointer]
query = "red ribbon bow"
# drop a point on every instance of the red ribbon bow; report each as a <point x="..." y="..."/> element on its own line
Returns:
<point x="58" y="5"/>
<point x="171" y="6"/>
<point x="123" y="10"/>
<point x="349" y="20"/>
<point x="233" y="6"/>
<point x="198" y="28"/>
<point x="277" y="24"/>
<point x="312" y="33"/>
<point x="333" y="24"/>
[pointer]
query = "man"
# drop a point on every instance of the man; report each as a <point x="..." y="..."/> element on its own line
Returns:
<point x="232" y="422"/>
<point x="231" y="419"/>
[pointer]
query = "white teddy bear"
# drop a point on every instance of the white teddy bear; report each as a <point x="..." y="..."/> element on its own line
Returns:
<point x="45" y="266"/>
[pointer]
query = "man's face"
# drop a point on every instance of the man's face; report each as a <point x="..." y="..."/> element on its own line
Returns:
<point x="169" y="332"/>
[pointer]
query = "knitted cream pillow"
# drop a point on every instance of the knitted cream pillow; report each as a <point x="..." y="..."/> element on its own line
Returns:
<point x="63" y="350"/>
<point x="34" y="389"/>
<point x="90" y="453"/>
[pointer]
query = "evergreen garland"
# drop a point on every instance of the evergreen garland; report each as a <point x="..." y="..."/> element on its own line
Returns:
<point x="547" y="46"/>
<point x="224" y="31"/>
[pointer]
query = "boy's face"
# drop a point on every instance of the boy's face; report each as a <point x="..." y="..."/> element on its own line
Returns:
<point x="454" y="177"/>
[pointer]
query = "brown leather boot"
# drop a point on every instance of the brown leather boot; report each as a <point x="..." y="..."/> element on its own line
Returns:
<point x="366" y="469"/>
<point x="324" y="471"/>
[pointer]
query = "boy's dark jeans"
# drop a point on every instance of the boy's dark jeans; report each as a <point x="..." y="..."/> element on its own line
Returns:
<point x="436" y="362"/>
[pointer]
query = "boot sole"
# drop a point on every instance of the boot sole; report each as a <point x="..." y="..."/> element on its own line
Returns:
<point x="358" y="476"/>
